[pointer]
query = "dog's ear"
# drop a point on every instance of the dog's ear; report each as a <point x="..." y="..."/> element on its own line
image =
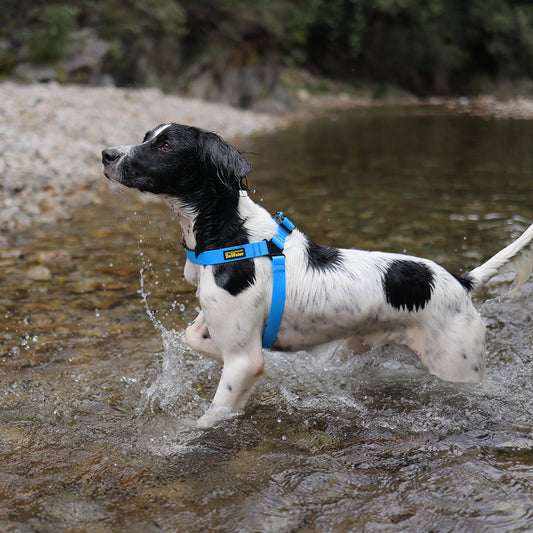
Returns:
<point x="224" y="163"/>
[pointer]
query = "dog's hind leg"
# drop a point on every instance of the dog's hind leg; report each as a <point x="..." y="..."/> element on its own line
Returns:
<point x="456" y="352"/>
<point x="356" y="345"/>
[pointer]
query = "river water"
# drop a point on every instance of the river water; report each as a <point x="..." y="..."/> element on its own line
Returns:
<point x="99" y="393"/>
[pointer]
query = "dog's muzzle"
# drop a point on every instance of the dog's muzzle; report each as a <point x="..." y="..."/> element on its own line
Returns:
<point x="110" y="158"/>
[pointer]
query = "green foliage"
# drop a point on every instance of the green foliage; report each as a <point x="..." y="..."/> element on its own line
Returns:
<point x="52" y="29"/>
<point x="145" y="38"/>
<point x="426" y="46"/>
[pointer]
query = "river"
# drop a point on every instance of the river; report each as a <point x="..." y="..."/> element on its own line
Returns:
<point x="99" y="393"/>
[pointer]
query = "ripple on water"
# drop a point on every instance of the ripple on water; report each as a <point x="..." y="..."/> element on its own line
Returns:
<point x="100" y="394"/>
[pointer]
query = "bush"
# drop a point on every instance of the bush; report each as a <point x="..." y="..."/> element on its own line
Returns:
<point x="52" y="27"/>
<point x="427" y="46"/>
<point x="424" y="45"/>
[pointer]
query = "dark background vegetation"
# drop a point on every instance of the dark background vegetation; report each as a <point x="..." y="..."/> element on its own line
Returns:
<point x="240" y="51"/>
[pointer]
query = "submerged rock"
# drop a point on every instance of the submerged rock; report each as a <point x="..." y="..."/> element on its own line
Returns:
<point x="39" y="273"/>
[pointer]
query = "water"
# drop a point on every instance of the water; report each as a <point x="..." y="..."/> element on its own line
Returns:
<point x="99" y="394"/>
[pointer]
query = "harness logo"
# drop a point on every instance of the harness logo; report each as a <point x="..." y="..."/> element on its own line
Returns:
<point x="234" y="254"/>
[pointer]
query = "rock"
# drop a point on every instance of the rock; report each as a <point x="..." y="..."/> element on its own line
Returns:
<point x="84" y="57"/>
<point x="30" y="72"/>
<point x="39" y="273"/>
<point x="53" y="257"/>
<point x="85" y="286"/>
<point x="11" y="253"/>
<point x="237" y="75"/>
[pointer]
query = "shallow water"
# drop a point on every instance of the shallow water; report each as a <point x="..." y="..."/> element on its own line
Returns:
<point x="99" y="394"/>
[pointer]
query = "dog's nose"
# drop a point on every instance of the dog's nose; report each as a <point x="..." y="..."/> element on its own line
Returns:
<point x="109" y="155"/>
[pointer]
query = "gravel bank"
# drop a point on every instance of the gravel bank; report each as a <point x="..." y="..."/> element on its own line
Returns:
<point x="51" y="137"/>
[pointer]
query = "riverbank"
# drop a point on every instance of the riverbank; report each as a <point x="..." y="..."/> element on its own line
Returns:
<point x="51" y="136"/>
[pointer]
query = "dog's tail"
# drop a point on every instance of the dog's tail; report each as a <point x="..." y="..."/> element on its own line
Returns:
<point x="516" y="258"/>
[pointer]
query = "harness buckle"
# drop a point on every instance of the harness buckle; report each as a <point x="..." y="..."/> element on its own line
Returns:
<point x="273" y="249"/>
<point x="283" y="221"/>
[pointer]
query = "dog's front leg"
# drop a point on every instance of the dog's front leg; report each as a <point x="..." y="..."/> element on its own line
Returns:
<point x="242" y="369"/>
<point x="198" y="338"/>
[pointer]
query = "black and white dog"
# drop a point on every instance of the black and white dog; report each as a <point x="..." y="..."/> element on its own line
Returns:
<point x="363" y="298"/>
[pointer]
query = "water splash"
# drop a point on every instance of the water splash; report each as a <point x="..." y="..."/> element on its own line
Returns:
<point x="176" y="388"/>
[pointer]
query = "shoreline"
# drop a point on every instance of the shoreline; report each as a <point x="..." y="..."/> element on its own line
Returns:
<point x="51" y="136"/>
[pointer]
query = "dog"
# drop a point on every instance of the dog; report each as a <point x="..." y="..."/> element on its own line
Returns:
<point x="363" y="298"/>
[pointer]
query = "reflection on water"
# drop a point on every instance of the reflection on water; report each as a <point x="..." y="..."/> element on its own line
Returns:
<point x="99" y="393"/>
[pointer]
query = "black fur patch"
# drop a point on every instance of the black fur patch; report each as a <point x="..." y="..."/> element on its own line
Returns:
<point x="322" y="257"/>
<point x="408" y="285"/>
<point x="205" y="174"/>
<point x="466" y="281"/>
<point x="235" y="277"/>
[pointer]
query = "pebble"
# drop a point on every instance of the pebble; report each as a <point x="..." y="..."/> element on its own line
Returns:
<point x="85" y="286"/>
<point x="39" y="273"/>
<point x="51" y="137"/>
<point x="54" y="257"/>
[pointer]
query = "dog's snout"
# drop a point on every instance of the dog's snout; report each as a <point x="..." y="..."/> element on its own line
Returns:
<point x="109" y="155"/>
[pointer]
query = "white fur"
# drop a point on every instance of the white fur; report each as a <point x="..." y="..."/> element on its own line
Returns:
<point x="346" y="304"/>
<point x="362" y="298"/>
<point x="516" y="258"/>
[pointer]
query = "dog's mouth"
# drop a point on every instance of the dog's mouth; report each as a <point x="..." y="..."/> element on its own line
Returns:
<point x="114" y="172"/>
<point x="117" y="167"/>
<point x="110" y="172"/>
<point x="111" y="158"/>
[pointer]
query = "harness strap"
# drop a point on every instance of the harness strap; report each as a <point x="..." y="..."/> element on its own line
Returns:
<point x="277" y="303"/>
<point x="273" y="249"/>
<point x="227" y="255"/>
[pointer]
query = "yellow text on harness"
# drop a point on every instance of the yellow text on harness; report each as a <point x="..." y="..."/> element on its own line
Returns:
<point x="234" y="254"/>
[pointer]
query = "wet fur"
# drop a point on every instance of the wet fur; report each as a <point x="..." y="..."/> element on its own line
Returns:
<point x="364" y="298"/>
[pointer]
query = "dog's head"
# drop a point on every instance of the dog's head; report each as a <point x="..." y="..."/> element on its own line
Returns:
<point x="180" y="161"/>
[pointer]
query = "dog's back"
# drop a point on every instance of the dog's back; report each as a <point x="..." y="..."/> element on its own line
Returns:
<point x="365" y="297"/>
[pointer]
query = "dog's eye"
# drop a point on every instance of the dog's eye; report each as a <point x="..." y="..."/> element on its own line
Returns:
<point x="165" y="147"/>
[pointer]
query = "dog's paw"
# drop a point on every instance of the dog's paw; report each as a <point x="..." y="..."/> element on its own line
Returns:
<point x="198" y="327"/>
<point x="214" y="415"/>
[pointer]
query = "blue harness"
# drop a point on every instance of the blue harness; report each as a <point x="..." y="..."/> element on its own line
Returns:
<point x="273" y="249"/>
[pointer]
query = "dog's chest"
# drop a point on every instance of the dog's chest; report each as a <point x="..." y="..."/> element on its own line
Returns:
<point x="191" y="273"/>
